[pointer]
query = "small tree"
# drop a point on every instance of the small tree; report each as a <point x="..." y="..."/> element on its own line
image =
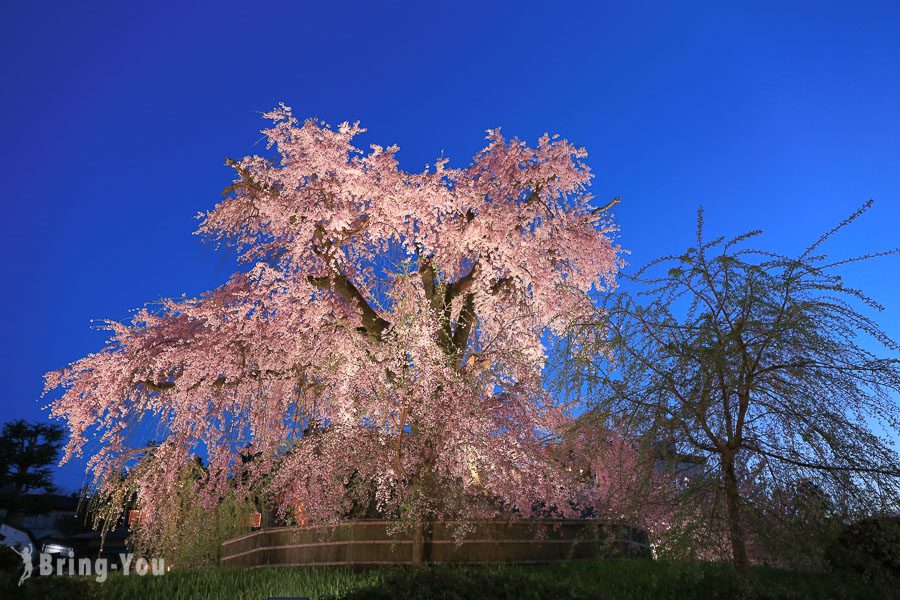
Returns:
<point x="755" y="361"/>
<point x="26" y="452"/>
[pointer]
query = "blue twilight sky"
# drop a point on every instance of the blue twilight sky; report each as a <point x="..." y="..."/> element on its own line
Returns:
<point x="117" y="117"/>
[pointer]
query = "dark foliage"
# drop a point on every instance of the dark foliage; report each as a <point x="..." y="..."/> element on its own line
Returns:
<point x="870" y="548"/>
<point x="48" y="588"/>
<point x="27" y="450"/>
<point x="9" y="561"/>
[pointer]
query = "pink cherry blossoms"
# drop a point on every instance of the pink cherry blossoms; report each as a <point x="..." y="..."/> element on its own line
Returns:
<point x="389" y="328"/>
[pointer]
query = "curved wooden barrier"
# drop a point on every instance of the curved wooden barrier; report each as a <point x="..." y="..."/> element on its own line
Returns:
<point x="371" y="543"/>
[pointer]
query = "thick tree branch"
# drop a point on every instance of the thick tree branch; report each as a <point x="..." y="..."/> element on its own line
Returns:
<point x="464" y="325"/>
<point x="347" y="291"/>
<point x="247" y="180"/>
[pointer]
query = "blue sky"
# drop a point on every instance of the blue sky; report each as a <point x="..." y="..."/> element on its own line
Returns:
<point x="117" y="117"/>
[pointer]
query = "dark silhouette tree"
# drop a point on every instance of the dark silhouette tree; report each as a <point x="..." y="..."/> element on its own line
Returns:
<point x="759" y="362"/>
<point x="27" y="451"/>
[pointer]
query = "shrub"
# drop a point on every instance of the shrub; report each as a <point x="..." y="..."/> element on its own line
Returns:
<point x="870" y="548"/>
<point x="10" y="562"/>
<point x="48" y="588"/>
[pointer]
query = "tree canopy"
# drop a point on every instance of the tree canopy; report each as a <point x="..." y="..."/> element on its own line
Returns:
<point x="389" y="326"/>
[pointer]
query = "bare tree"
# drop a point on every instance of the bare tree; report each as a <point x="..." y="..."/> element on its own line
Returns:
<point x="762" y="363"/>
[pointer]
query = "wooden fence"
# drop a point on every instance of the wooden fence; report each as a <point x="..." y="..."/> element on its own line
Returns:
<point x="377" y="543"/>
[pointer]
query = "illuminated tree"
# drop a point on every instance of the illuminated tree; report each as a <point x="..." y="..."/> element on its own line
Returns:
<point x="389" y="326"/>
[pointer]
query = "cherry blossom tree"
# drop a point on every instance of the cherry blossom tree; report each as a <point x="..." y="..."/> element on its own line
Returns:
<point x="389" y="327"/>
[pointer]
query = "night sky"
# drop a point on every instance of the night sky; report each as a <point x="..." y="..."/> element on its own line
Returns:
<point x="117" y="118"/>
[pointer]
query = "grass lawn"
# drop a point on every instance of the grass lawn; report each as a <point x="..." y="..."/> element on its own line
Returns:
<point x="629" y="579"/>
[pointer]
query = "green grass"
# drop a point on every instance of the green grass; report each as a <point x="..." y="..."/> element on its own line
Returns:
<point x="626" y="580"/>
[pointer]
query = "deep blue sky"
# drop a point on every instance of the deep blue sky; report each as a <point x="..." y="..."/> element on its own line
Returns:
<point x="116" y="120"/>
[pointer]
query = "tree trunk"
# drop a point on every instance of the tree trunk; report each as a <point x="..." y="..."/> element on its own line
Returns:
<point x="735" y="527"/>
<point x="418" y="543"/>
